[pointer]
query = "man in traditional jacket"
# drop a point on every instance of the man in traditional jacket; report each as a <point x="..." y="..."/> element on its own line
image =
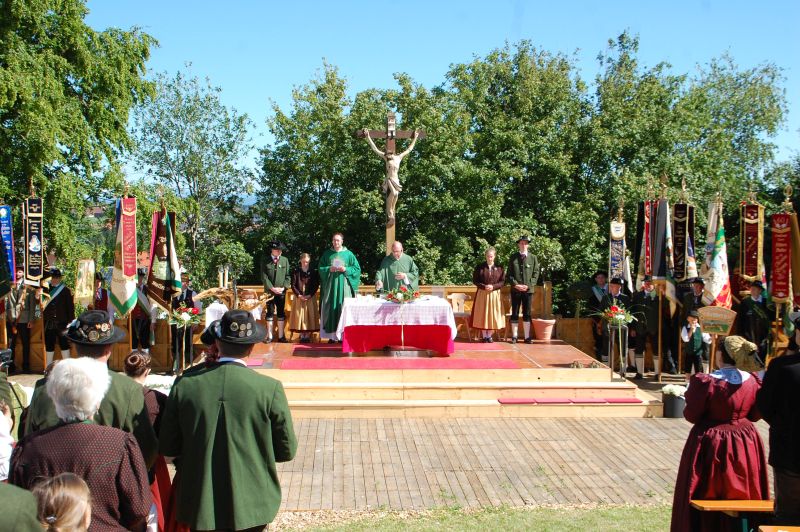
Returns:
<point x="143" y="315"/>
<point x="100" y="301"/>
<point x="614" y="297"/>
<point x="522" y="273"/>
<point x="397" y="268"/>
<point x="693" y="300"/>
<point x="184" y="335"/>
<point x="277" y="280"/>
<point x="228" y="426"/>
<point x="645" y="309"/>
<point x="94" y="336"/>
<point x="340" y="275"/>
<point x="695" y="345"/>
<point x="754" y="315"/>
<point x="13" y="304"/>
<point x="58" y="312"/>
<point x="594" y="306"/>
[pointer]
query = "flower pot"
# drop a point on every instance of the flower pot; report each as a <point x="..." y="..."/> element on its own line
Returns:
<point x="673" y="406"/>
<point x="543" y="329"/>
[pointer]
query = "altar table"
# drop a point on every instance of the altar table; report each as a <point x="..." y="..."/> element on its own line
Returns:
<point x="369" y="324"/>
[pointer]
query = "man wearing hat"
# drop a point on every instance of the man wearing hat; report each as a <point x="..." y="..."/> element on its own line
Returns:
<point x="57" y="313"/>
<point x="594" y="306"/>
<point x="778" y="401"/>
<point x="143" y="315"/>
<point x="94" y="336"/>
<point x="100" y="300"/>
<point x="229" y="426"/>
<point x="522" y="274"/>
<point x="645" y="308"/>
<point x="753" y="317"/>
<point x="277" y="280"/>
<point x="184" y="334"/>
<point x="693" y="300"/>
<point x="614" y="297"/>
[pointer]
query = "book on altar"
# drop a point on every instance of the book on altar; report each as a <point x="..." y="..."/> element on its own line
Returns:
<point x="338" y="263"/>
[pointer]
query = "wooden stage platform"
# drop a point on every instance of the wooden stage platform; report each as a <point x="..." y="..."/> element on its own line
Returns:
<point x="550" y="379"/>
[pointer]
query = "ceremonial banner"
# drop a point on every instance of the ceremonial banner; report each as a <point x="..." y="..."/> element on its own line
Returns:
<point x="662" y="242"/>
<point x="751" y="238"/>
<point x="683" y="239"/>
<point x="642" y="258"/>
<point x="7" y="235"/>
<point x="795" y="229"/>
<point x="164" y="278"/>
<point x="84" y="282"/>
<point x="781" y="283"/>
<point x="123" y="276"/>
<point x="715" y="269"/>
<point x="616" y="250"/>
<point x="33" y="222"/>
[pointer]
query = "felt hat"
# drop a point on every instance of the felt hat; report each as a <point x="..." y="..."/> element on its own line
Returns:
<point x="209" y="333"/>
<point x="523" y="238"/>
<point x="693" y="314"/>
<point x="239" y="327"/>
<point x="616" y="280"/>
<point x="94" y="327"/>
<point x="744" y="353"/>
<point x="698" y="280"/>
<point x="55" y="272"/>
<point x="98" y="276"/>
<point x="757" y="284"/>
<point x="276" y="244"/>
<point x="598" y="273"/>
<point x="141" y="272"/>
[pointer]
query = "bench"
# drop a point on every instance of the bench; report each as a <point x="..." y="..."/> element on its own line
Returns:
<point x="736" y="509"/>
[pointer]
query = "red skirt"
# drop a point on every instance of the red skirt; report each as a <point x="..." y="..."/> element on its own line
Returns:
<point x="725" y="461"/>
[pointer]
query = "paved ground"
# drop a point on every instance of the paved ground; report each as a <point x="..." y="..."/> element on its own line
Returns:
<point x="420" y="463"/>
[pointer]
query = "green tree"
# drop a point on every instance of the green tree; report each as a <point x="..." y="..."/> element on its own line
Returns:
<point x="189" y="141"/>
<point x="65" y="94"/>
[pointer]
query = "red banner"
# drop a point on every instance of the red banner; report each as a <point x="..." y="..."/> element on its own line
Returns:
<point x="751" y="242"/>
<point x="647" y="247"/>
<point x="781" y="258"/>
<point x="127" y="223"/>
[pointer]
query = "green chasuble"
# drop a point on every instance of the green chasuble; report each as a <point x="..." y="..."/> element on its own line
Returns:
<point x="122" y="407"/>
<point x="391" y="266"/>
<point x="229" y="426"/>
<point x="335" y="286"/>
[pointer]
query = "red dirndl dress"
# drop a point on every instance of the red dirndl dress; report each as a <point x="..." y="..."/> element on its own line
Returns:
<point x="724" y="456"/>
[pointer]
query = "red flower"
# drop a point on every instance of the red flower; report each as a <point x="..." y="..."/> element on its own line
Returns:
<point x="195" y="311"/>
<point x="416" y="294"/>
<point x="403" y="289"/>
<point x="614" y="308"/>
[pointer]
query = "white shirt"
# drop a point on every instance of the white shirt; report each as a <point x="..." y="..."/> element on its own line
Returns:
<point x="215" y="311"/>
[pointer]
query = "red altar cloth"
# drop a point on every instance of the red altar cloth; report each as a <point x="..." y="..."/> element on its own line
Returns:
<point x="363" y="338"/>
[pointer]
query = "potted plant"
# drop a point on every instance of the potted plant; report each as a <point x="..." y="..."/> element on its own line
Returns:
<point x="674" y="402"/>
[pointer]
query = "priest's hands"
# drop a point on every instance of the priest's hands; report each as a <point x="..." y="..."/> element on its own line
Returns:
<point x="378" y="285"/>
<point x="400" y="276"/>
<point x="334" y="269"/>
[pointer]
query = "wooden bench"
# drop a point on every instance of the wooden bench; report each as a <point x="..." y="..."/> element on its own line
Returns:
<point x="737" y="509"/>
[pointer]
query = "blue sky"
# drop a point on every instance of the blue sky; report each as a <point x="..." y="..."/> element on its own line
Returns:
<point x="257" y="51"/>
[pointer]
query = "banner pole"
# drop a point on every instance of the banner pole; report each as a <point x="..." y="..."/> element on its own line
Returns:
<point x="660" y="325"/>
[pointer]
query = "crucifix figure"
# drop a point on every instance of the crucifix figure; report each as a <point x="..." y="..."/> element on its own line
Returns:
<point x="391" y="185"/>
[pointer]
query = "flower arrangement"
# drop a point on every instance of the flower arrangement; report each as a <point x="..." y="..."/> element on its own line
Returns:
<point x="184" y="316"/>
<point x="402" y="294"/>
<point x="617" y="315"/>
<point x="674" y="389"/>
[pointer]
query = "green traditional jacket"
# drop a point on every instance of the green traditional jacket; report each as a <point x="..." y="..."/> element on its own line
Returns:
<point x="696" y="346"/>
<point x="391" y="266"/>
<point x="18" y="512"/>
<point x="229" y="426"/>
<point x="277" y="275"/>
<point x="122" y="407"/>
<point x="521" y="271"/>
<point x="335" y="286"/>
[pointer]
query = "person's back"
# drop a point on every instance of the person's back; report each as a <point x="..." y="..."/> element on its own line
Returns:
<point x="17" y="510"/>
<point x="228" y="426"/>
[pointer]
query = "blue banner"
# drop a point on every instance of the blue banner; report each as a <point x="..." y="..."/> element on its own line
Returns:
<point x="7" y="235"/>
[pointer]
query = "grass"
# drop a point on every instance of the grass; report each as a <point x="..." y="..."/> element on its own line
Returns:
<point x="648" y="518"/>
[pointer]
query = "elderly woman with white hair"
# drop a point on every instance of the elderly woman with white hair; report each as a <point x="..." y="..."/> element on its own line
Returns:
<point x="108" y="459"/>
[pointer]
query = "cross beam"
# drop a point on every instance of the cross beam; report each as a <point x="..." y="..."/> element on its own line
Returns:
<point x="390" y="133"/>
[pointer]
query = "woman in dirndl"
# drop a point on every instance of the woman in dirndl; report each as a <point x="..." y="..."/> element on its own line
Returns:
<point x="305" y="283"/>
<point x="487" y="310"/>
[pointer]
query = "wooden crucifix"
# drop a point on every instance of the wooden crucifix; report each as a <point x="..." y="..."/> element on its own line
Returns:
<point x="391" y="185"/>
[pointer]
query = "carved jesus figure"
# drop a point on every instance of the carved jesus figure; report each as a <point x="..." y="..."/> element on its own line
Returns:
<point x="391" y="185"/>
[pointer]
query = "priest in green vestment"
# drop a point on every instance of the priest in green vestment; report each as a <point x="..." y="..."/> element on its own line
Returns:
<point x="397" y="269"/>
<point x="339" y="276"/>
